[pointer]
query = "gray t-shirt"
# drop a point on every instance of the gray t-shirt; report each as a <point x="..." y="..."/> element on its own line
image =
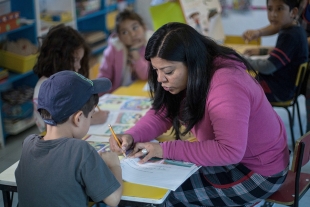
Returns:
<point x="61" y="172"/>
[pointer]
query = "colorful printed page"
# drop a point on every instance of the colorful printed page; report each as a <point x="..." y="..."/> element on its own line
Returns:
<point x="100" y="143"/>
<point x="125" y="111"/>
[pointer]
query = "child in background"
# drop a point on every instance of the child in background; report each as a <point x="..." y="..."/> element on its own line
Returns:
<point x="304" y="21"/>
<point x="61" y="158"/>
<point x="63" y="48"/>
<point x="277" y="74"/>
<point x="123" y="59"/>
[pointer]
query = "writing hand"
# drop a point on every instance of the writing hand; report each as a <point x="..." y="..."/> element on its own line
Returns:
<point x="153" y="150"/>
<point x="126" y="142"/>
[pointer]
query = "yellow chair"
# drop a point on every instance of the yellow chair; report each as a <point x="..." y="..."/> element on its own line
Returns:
<point x="296" y="183"/>
<point x="233" y="39"/>
<point x="291" y="103"/>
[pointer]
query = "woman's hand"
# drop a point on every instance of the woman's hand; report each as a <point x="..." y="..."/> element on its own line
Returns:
<point x="126" y="141"/>
<point x="153" y="150"/>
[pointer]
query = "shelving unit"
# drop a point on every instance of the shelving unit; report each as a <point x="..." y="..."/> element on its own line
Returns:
<point x="31" y="10"/>
<point x="53" y="6"/>
<point x="97" y="21"/>
<point x="28" y="31"/>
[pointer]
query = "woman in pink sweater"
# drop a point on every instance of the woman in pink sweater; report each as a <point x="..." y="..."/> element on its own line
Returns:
<point x="242" y="143"/>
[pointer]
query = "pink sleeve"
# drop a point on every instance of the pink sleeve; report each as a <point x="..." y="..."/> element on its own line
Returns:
<point x="106" y="67"/>
<point x="225" y="130"/>
<point x="149" y="127"/>
<point x="141" y="66"/>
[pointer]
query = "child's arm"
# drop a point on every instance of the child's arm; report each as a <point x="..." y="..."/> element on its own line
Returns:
<point x="112" y="161"/>
<point x="139" y="64"/>
<point x="263" y="66"/>
<point x="258" y="51"/>
<point x="106" y="67"/>
<point x="255" y="34"/>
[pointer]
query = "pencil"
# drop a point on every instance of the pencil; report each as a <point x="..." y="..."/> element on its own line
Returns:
<point x="116" y="139"/>
<point x="98" y="108"/>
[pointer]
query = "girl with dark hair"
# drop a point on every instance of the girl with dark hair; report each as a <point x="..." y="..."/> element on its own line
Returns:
<point x="63" y="48"/>
<point x="241" y="141"/>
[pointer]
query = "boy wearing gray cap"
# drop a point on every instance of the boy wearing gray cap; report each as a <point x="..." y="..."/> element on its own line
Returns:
<point x="60" y="169"/>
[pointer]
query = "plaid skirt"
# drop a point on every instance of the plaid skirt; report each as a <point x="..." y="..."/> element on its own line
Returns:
<point x="233" y="185"/>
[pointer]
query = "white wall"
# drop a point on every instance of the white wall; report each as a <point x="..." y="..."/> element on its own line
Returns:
<point x="235" y="23"/>
<point x="142" y="8"/>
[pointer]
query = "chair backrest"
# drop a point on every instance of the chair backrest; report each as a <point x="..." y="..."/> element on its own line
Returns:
<point x="234" y="39"/>
<point x="301" y="152"/>
<point x="301" y="73"/>
<point x="299" y="79"/>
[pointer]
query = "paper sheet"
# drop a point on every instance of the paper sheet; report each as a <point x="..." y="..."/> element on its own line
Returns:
<point x="157" y="172"/>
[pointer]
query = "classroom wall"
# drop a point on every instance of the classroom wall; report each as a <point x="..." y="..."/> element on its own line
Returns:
<point x="234" y="23"/>
<point x="142" y="8"/>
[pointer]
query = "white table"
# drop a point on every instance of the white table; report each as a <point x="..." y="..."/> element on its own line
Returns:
<point x="8" y="184"/>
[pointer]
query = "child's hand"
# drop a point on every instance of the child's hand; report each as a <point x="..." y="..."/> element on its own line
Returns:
<point x="134" y="51"/>
<point x="138" y="43"/>
<point x="110" y="158"/>
<point x="99" y="117"/>
<point x="251" y="35"/>
<point x="251" y="52"/>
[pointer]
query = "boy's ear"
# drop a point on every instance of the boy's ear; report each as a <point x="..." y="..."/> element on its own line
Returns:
<point x="76" y="119"/>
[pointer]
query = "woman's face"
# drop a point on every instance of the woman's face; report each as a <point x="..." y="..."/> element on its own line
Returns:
<point x="171" y="74"/>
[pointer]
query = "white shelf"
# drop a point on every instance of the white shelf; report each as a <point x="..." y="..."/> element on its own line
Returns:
<point x="16" y="127"/>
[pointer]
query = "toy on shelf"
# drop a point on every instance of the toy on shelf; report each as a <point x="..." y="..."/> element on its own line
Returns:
<point x="18" y="56"/>
<point x="84" y="7"/>
<point x="9" y="22"/>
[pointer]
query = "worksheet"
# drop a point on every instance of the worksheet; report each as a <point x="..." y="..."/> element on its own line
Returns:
<point x="162" y="173"/>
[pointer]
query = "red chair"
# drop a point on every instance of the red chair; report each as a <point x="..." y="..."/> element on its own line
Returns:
<point x="296" y="183"/>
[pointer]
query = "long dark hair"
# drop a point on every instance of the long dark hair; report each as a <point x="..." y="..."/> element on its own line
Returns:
<point x="182" y="43"/>
<point x="56" y="52"/>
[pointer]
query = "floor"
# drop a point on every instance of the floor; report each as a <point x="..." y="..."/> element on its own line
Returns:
<point x="11" y="153"/>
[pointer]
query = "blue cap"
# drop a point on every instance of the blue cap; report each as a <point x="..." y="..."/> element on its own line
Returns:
<point x="66" y="92"/>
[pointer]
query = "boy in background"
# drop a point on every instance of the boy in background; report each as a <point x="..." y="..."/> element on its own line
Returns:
<point x="277" y="74"/>
<point x="60" y="169"/>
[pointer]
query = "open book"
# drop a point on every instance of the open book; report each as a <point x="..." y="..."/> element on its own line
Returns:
<point x="161" y="173"/>
<point x="125" y="111"/>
